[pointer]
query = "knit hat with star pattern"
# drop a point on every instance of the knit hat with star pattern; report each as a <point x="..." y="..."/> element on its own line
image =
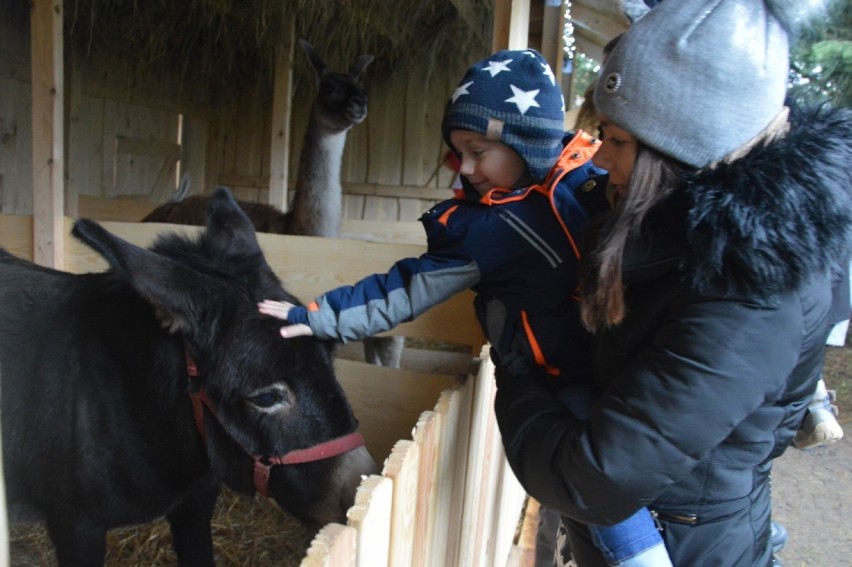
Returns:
<point x="511" y="97"/>
<point x="697" y="80"/>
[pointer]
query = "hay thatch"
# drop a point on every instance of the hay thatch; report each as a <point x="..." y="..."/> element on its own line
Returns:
<point x="246" y="533"/>
<point x="218" y="44"/>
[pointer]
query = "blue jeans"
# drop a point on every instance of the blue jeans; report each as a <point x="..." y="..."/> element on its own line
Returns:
<point x="636" y="534"/>
<point x="627" y="539"/>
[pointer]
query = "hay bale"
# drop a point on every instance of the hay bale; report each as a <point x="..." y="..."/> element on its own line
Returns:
<point x="211" y="46"/>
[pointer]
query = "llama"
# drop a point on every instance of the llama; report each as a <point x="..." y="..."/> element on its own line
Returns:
<point x="340" y="104"/>
<point x="316" y="208"/>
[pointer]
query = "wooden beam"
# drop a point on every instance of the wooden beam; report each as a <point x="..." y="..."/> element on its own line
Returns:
<point x="16" y="235"/>
<point x="406" y="191"/>
<point x="371" y="189"/>
<point x="587" y="46"/>
<point x="511" y="28"/>
<point x="48" y="132"/>
<point x="501" y="24"/>
<point x="551" y="36"/>
<point x="596" y="26"/>
<point x="519" y="28"/>
<point x="281" y="110"/>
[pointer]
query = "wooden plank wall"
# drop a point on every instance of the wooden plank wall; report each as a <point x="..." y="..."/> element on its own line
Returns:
<point x="15" y="111"/>
<point x="399" y="145"/>
<point x="120" y="149"/>
<point x="130" y="209"/>
<point x="136" y="142"/>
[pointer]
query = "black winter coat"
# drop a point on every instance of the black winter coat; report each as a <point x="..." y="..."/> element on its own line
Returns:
<point x="707" y="378"/>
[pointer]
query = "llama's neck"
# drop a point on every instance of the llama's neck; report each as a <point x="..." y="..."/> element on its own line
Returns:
<point x="317" y="209"/>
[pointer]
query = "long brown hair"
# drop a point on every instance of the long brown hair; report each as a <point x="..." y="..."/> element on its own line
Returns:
<point x="654" y="177"/>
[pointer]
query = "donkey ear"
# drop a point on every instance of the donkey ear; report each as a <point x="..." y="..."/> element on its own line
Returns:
<point x="230" y="233"/>
<point x="319" y="66"/>
<point x="175" y="290"/>
<point x="359" y="65"/>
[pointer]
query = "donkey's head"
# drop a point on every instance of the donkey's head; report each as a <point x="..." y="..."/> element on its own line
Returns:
<point x="268" y="397"/>
<point x="342" y="101"/>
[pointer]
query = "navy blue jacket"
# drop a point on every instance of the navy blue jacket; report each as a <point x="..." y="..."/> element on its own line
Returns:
<point x="517" y="249"/>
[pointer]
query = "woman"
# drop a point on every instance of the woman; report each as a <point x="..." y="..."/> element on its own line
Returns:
<point x="707" y="289"/>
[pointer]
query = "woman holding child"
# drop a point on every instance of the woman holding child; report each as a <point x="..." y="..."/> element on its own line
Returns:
<point x="706" y="288"/>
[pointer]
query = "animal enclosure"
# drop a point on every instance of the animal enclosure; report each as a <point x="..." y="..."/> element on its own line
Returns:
<point x="446" y="495"/>
<point x="127" y="129"/>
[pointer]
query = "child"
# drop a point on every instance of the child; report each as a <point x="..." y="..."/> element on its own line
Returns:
<point x="512" y="234"/>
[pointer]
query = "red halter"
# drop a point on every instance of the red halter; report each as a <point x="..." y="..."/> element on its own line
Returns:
<point x="262" y="463"/>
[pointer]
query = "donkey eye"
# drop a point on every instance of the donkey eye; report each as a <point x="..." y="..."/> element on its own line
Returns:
<point x="266" y="400"/>
<point x="270" y="398"/>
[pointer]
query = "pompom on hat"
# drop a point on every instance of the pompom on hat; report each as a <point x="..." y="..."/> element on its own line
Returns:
<point x="698" y="80"/>
<point x="511" y="97"/>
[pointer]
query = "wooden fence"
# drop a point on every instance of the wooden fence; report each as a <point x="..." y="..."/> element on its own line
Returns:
<point x="361" y="201"/>
<point x="446" y="496"/>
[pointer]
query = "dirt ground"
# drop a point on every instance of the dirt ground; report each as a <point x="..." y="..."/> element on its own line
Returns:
<point x="812" y="489"/>
<point x="812" y="496"/>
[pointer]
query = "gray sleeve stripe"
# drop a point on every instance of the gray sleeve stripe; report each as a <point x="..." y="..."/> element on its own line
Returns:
<point x="425" y="290"/>
<point x="428" y="289"/>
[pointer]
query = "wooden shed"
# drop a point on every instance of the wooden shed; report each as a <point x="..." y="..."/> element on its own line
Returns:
<point x="123" y="99"/>
<point x="106" y="106"/>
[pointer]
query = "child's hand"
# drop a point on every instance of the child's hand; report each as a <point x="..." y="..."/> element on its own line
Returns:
<point x="279" y="310"/>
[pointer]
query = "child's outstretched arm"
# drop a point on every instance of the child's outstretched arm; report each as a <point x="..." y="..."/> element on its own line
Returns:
<point x="379" y="302"/>
<point x="279" y="310"/>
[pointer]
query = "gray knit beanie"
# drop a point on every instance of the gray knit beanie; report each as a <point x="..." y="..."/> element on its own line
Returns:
<point x="697" y="80"/>
<point x="511" y="97"/>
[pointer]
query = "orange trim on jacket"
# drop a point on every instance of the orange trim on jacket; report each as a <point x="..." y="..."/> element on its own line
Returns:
<point x="578" y="151"/>
<point x="537" y="354"/>
<point x="444" y="218"/>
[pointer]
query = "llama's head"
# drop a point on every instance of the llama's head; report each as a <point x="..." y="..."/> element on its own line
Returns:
<point x="342" y="101"/>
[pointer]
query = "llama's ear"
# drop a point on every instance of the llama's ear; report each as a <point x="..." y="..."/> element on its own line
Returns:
<point x="360" y="64"/>
<point x="313" y="57"/>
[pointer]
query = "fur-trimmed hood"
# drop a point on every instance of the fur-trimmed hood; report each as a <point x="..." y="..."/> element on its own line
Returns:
<point x="763" y="223"/>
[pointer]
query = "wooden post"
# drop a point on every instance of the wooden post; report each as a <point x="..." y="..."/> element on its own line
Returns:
<point x="281" y="108"/>
<point x="519" y="29"/>
<point x="551" y="36"/>
<point x="501" y="24"/>
<point x="511" y="27"/>
<point x="48" y="127"/>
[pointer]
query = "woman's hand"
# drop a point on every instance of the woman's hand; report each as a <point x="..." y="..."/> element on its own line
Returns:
<point x="279" y="310"/>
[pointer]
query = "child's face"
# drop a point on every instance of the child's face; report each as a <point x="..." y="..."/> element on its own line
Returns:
<point x="487" y="164"/>
<point x="616" y="154"/>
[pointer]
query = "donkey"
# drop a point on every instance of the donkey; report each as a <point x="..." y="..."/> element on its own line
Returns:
<point x="317" y="202"/>
<point x="137" y="392"/>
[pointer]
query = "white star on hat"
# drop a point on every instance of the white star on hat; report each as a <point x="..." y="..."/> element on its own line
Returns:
<point x="549" y="73"/>
<point x="495" y="67"/>
<point x="461" y="90"/>
<point x="523" y="99"/>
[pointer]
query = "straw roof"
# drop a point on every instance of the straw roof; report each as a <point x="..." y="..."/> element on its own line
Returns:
<point x="222" y="44"/>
